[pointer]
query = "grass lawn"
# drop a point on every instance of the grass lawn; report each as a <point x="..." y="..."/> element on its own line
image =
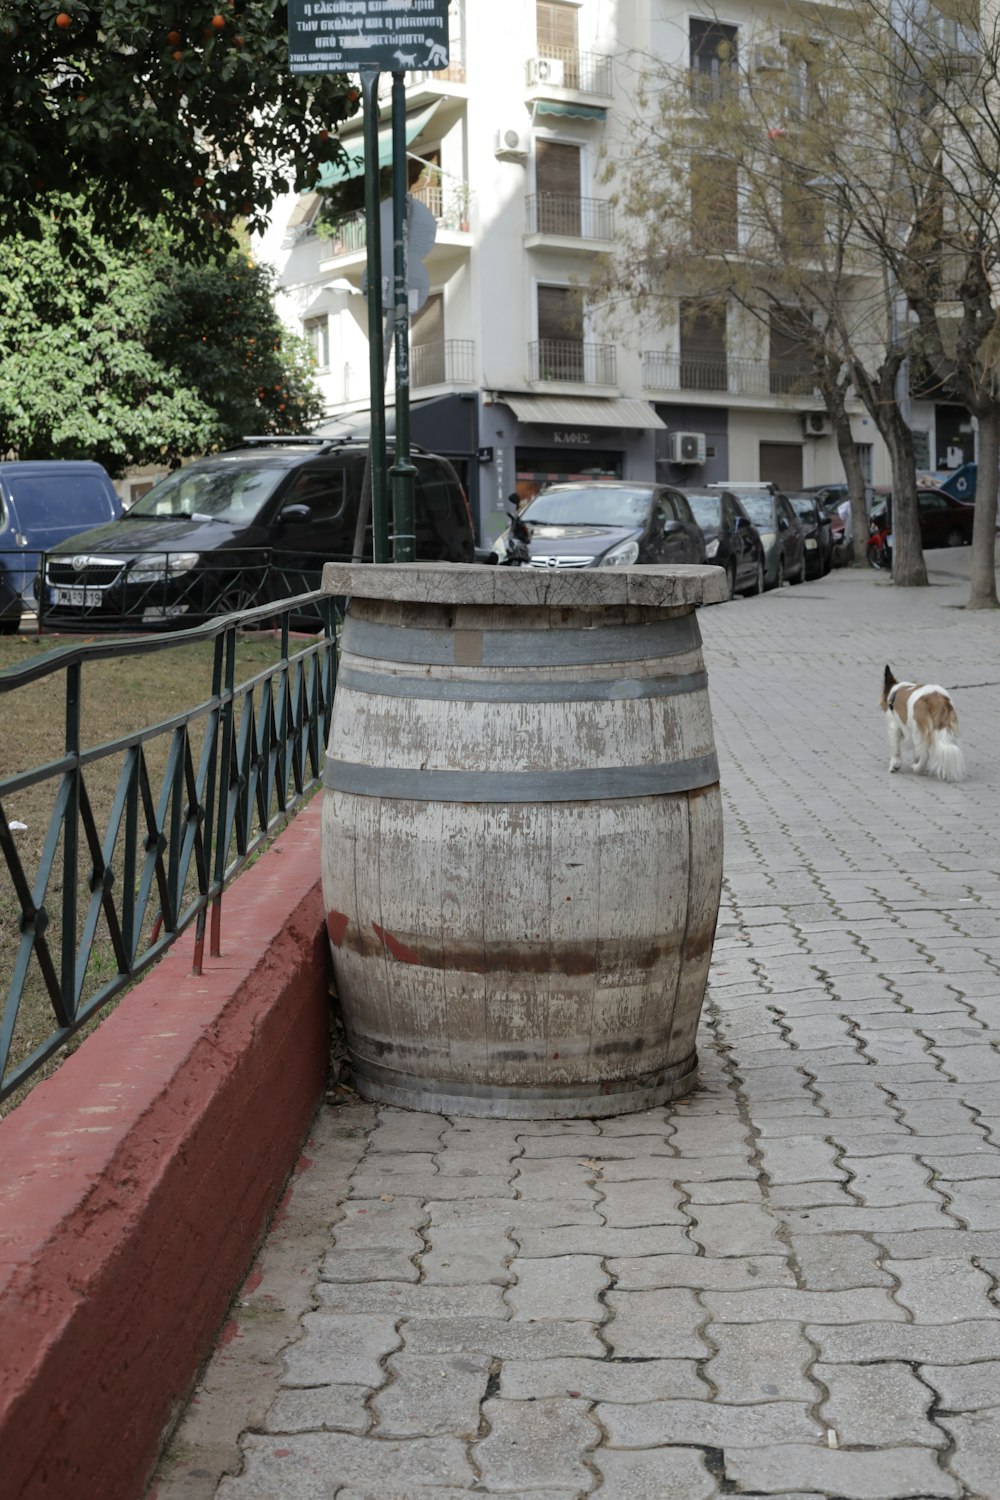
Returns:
<point x="119" y="696"/>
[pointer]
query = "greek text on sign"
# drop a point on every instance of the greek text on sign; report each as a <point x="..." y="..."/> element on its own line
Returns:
<point x="341" y="36"/>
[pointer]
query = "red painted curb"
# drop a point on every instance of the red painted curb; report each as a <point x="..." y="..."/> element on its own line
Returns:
<point x="135" y="1184"/>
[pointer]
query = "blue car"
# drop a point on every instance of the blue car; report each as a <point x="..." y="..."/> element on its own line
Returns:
<point x="45" y="502"/>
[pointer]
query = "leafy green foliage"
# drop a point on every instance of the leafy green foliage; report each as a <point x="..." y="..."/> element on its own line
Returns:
<point x="183" y="110"/>
<point x="136" y="355"/>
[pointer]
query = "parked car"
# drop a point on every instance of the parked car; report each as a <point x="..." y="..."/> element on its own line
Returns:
<point x="732" y="541"/>
<point x="10" y="603"/>
<point x="780" y="530"/>
<point x="41" y="504"/>
<point x="607" y="523"/>
<point x="244" y="527"/>
<point x="945" y="521"/>
<point x="818" y="529"/>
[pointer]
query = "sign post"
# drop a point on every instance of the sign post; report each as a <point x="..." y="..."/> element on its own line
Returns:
<point x="397" y="37"/>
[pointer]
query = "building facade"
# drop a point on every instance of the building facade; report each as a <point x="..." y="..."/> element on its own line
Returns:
<point x="512" y="376"/>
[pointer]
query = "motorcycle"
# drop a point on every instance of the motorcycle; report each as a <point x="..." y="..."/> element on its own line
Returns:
<point x="879" y="549"/>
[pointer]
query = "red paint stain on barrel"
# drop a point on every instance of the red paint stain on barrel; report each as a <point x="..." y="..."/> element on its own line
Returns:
<point x="336" y="925"/>
<point x="396" y="948"/>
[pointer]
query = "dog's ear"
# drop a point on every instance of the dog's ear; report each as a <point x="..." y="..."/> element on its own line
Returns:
<point x="889" y="681"/>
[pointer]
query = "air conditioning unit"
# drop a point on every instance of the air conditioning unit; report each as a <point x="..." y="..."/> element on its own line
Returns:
<point x="511" y="144"/>
<point x="769" y="59"/>
<point x="686" y="447"/>
<point x="547" y="70"/>
<point x="816" y="424"/>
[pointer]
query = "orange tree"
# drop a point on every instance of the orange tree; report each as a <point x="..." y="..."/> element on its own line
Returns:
<point x="174" y="108"/>
<point x="134" y="354"/>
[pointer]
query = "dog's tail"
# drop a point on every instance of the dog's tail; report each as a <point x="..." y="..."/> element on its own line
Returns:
<point x="945" y="760"/>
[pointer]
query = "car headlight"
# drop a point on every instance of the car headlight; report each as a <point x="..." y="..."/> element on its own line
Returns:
<point x="499" y="547"/>
<point x="621" y="556"/>
<point x="162" y="565"/>
<point x="711" y="548"/>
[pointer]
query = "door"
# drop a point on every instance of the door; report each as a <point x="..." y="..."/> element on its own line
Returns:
<point x="301" y="545"/>
<point x="781" y="464"/>
<point x="557" y="188"/>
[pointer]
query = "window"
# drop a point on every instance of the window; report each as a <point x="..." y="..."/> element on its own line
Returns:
<point x="317" y="331"/>
<point x="714" y="204"/>
<point x="427" y="351"/>
<point x="557" y="184"/>
<point x="703" y="346"/>
<point x="713" y="53"/>
<point x="790" y="358"/>
<point x="560" y="332"/>
<point x="801" y="213"/>
<point x="556" y="27"/>
<point x="324" y="493"/>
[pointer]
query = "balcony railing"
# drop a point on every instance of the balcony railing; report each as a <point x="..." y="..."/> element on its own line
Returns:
<point x="574" y="361"/>
<point x="569" y="215"/>
<point x="721" y="372"/>
<point x="449" y="200"/>
<point x="566" y="68"/>
<point x="452" y="362"/>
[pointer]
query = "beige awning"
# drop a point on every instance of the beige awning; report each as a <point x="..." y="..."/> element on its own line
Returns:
<point x="583" y="411"/>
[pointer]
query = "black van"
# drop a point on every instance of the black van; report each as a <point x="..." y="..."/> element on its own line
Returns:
<point x="244" y="527"/>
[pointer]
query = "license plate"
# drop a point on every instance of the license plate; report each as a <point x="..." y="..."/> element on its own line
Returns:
<point x="78" y="598"/>
<point x="811" y="544"/>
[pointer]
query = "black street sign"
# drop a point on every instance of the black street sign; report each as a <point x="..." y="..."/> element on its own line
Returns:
<point x="344" y="36"/>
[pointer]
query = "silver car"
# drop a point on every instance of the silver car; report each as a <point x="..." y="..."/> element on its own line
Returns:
<point x="780" y="529"/>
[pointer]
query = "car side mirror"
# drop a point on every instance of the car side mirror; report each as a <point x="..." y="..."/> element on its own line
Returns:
<point x="782" y="523"/>
<point x="737" y="522"/>
<point x="295" y="515"/>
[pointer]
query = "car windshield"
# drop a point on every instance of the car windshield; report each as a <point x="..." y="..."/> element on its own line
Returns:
<point x="588" y="506"/>
<point x="224" y="492"/>
<point x="61" y="500"/>
<point x="760" y="509"/>
<point x="707" y="509"/>
<point x="803" y="506"/>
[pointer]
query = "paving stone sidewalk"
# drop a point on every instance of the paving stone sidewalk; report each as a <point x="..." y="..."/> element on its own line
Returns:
<point x="784" y="1285"/>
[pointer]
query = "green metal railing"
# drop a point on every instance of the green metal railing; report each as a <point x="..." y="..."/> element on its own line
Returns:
<point x="235" y="765"/>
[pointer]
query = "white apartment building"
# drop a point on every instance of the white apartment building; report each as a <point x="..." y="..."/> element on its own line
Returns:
<point x="511" y="377"/>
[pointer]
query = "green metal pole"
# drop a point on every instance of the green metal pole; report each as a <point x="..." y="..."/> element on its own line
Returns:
<point x="402" y="474"/>
<point x="373" y="235"/>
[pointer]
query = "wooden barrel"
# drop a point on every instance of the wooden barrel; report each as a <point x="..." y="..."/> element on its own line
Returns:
<point x="522" y="836"/>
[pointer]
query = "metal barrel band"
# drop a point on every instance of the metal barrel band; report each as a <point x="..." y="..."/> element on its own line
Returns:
<point x="521" y="648"/>
<point x="600" y="784"/>
<point x="476" y="690"/>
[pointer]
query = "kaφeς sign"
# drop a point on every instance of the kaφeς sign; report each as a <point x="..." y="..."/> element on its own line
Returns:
<point x="343" y="36"/>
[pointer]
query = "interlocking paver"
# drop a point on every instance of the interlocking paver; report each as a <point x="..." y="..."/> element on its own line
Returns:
<point x="301" y="1465"/>
<point x="405" y="1299"/>
<point x="536" y="1443"/>
<point x="732" y="1274"/>
<point x="662" y="1474"/>
<point x="976" y="1202"/>
<point x="877" y="1406"/>
<point x="886" y="1181"/>
<point x="943" y="1289"/>
<point x="965" y="1387"/>
<point x="399" y="1130"/>
<point x="735" y="1229"/>
<point x="627" y="1205"/>
<point x="976" y="1459"/>
<point x="932" y="1343"/>
<point x="602" y="1379"/>
<point x="340" y="1349"/>
<point x="502" y="1339"/>
<point x="371" y="1224"/>
<point x="565" y="1286"/>
<point x="431" y="1395"/>
<point x="836" y="1262"/>
<point x="320" y="1408"/>
<point x="574" y="1239"/>
<point x="655" y="1423"/>
<point x="784" y="1305"/>
<point x="752" y="1363"/>
<point x="361" y="1265"/>
<point x="896" y="1472"/>
<point x="800" y="1159"/>
<point x="647" y="1325"/>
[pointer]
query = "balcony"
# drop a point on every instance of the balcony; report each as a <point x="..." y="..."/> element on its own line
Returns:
<point x="449" y="199"/>
<point x="725" y="374"/>
<point x="565" y="70"/>
<point x="572" y="361"/>
<point x="452" y="362"/>
<point x="567" y="216"/>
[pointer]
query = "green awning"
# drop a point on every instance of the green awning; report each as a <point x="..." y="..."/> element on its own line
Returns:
<point x="331" y="173"/>
<point x="577" y="111"/>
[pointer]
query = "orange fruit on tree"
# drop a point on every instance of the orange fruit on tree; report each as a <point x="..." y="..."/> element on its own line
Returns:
<point x="218" y="22"/>
<point x="178" y="57"/>
<point x="64" y="20"/>
<point x="174" y="38"/>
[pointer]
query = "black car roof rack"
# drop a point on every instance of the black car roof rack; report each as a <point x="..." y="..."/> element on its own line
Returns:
<point x="297" y="440"/>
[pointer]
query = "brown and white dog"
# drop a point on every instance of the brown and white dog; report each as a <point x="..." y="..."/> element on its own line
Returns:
<point x="923" y="718"/>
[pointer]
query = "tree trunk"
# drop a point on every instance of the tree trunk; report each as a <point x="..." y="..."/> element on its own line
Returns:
<point x="908" y="566"/>
<point x="983" y="581"/>
<point x="848" y="451"/>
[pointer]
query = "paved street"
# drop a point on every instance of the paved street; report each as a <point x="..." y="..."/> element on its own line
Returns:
<point x="784" y="1285"/>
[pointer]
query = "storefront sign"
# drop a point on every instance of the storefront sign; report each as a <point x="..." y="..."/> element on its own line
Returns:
<point x="393" y="36"/>
<point x="578" y="439"/>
